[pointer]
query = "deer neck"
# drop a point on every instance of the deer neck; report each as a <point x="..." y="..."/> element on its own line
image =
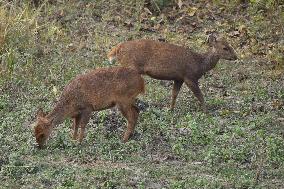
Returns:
<point x="210" y="60"/>
<point x="57" y="115"/>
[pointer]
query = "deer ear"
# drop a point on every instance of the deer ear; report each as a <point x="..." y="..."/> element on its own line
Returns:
<point x="211" y="40"/>
<point x="40" y="113"/>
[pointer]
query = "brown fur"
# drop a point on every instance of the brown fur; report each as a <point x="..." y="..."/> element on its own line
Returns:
<point x="97" y="90"/>
<point x="166" y="61"/>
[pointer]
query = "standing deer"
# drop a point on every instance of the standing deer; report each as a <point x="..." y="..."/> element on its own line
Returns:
<point x="97" y="90"/>
<point x="166" y="61"/>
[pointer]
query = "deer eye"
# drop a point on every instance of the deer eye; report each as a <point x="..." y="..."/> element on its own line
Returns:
<point x="225" y="48"/>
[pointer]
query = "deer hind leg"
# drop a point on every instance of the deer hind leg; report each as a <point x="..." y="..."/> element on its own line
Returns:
<point x="130" y="112"/>
<point x="197" y="92"/>
<point x="83" y="121"/>
<point x="175" y="91"/>
<point x="75" y="127"/>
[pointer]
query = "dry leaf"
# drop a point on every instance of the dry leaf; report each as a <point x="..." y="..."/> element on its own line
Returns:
<point x="54" y="90"/>
<point x="242" y="29"/>
<point x="180" y="3"/>
<point x="277" y="104"/>
<point x="157" y="26"/>
<point x="148" y="11"/>
<point x="191" y="11"/>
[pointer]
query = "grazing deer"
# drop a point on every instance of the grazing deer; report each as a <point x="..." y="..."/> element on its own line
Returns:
<point x="97" y="90"/>
<point x="166" y="61"/>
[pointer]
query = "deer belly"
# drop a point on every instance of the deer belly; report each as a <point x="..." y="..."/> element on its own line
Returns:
<point x="103" y="105"/>
<point x="163" y="74"/>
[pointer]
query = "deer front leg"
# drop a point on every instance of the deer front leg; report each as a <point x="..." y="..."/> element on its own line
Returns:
<point x="83" y="121"/>
<point x="75" y="127"/>
<point x="197" y="92"/>
<point x="175" y="91"/>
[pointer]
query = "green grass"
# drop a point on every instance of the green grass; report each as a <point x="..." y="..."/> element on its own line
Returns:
<point x="239" y="144"/>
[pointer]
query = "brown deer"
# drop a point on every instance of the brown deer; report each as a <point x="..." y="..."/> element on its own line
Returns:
<point x="166" y="61"/>
<point x="97" y="90"/>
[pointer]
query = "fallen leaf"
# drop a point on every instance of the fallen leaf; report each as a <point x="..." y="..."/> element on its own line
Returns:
<point x="242" y="29"/>
<point x="234" y="34"/>
<point x="157" y="26"/>
<point x="128" y="23"/>
<point x="191" y="11"/>
<point x="194" y="24"/>
<point x="153" y="18"/>
<point x="280" y="119"/>
<point x="148" y="11"/>
<point x="277" y="104"/>
<point x="54" y="90"/>
<point x="180" y="3"/>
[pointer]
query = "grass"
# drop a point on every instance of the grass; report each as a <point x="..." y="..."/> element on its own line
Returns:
<point x="239" y="144"/>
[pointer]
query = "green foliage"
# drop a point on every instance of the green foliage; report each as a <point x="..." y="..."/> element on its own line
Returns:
<point x="158" y="5"/>
<point x="19" y="36"/>
<point x="266" y="4"/>
<point x="275" y="150"/>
